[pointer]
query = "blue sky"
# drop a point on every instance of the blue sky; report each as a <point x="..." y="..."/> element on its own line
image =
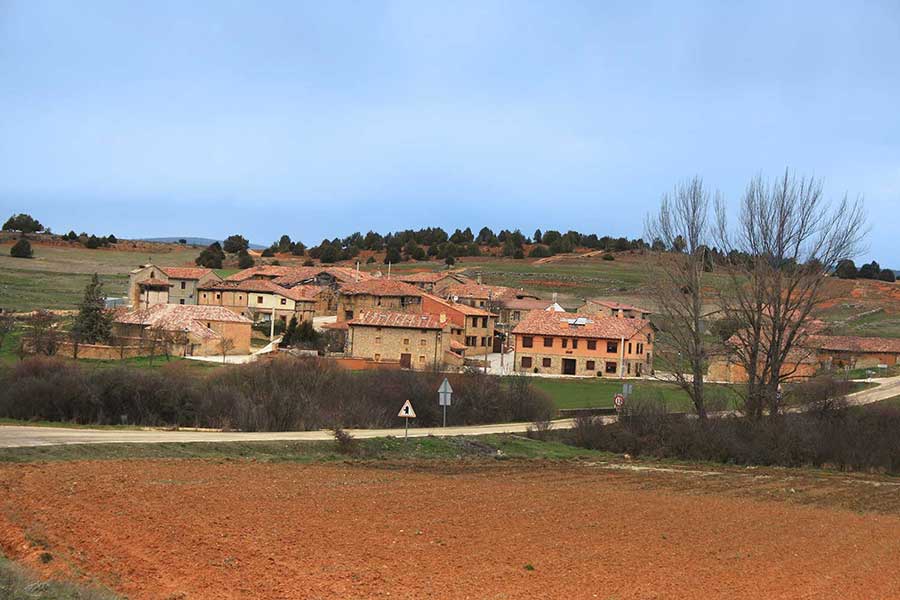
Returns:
<point x="322" y="118"/>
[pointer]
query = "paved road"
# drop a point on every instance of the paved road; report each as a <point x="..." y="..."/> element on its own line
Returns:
<point x="12" y="436"/>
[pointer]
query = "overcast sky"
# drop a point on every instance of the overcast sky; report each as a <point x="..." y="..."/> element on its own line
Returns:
<point x="322" y="118"/>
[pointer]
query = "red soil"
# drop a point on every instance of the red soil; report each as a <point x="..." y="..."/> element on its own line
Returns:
<point x="193" y="529"/>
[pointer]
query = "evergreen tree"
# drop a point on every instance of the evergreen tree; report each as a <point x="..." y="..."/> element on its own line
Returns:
<point x="93" y="324"/>
<point x="211" y="257"/>
<point x="21" y="249"/>
<point x="245" y="261"/>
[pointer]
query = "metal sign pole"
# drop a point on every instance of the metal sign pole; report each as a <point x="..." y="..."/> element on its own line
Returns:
<point x="445" y="415"/>
<point x="406" y="430"/>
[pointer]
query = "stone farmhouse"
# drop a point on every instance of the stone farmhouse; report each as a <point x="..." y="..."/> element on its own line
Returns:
<point x="379" y="295"/>
<point x="583" y="344"/>
<point x="471" y="328"/>
<point x="149" y="285"/>
<point x="414" y="341"/>
<point x="434" y="282"/>
<point x="815" y="354"/>
<point x="609" y="308"/>
<point x="187" y="329"/>
<point x="262" y="299"/>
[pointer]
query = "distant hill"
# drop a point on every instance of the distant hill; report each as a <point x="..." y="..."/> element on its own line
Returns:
<point x="193" y="241"/>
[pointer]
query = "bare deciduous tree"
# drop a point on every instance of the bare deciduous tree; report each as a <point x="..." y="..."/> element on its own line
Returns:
<point x="226" y="345"/>
<point x="786" y="241"/>
<point x="680" y="232"/>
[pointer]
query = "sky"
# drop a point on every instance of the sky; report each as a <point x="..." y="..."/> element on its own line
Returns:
<point x="318" y="119"/>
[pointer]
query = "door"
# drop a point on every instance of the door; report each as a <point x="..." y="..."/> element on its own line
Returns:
<point x="568" y="366"/>
<point x="406" y="360"/>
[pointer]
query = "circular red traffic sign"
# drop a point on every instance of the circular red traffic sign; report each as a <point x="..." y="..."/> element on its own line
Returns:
<point x="619" y="400"/>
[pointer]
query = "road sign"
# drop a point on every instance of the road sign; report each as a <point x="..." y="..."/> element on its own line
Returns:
<point x="407" y="411"/>
<point x="626" y="389"/>
<point x="445" y="392"/>
<point x="619" y="400"/>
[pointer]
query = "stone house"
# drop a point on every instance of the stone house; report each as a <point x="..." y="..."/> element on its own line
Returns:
<point x="380" y="295"/>
<point x="261" y="299"/>
<point x="586" y="345"/>
<point x="471" y="328"/>
<point x="415" y="341"/>
<point x="433" y="281"/>
<point x="150" y="284"/>
<point x="609" y="308"/>
<point x="187" y="329"/>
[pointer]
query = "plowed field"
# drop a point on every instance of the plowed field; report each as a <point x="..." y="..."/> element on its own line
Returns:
<point x="480" y="530"/>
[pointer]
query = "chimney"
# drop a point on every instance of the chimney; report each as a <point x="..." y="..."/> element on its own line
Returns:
<point x="478" y="278"/>
<point x="554" y="297"/>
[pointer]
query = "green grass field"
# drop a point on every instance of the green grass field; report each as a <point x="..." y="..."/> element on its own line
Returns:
<point x="57" y="275"/>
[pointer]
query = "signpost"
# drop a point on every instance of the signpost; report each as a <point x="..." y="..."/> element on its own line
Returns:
<point x="407" y="412"/>
<point x="444" y="394"/>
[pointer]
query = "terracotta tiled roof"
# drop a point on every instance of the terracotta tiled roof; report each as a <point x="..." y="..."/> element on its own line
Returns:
<point x="301" y="293"/>
<point x="479" y="291"/>
<point x="844" y="343"/>
<point x="153" y="282"/>
<point x="617" y="305"/>
<point x="186" y="272"/>
<point x="380" y="287"/>
<point x="454" y="345"/>
<point x="526" y="304"/>
<point x="430" y="276"/>
<point x="373" y="318"/>
<point x="301" y="274"/>
<point x="541" y="322"/>
<point x="182" y="317"/>
<point x="465" y="309"/>
<point x="260" y="271"/>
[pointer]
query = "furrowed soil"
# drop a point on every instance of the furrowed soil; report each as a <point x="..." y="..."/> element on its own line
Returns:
<point x="479" y="529"/>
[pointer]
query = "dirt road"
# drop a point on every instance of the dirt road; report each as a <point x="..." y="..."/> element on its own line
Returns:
<point x="452" y="530"/>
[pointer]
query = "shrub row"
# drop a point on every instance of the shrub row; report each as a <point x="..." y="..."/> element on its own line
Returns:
<point x="278" y="395"/>
<point x="843" y="438"/>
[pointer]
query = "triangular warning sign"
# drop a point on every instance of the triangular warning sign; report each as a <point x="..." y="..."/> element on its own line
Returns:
<point x="407" y="411"/>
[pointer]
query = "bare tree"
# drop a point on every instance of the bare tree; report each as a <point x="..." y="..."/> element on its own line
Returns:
<point x="680" y="232"/>
<point x="786" y="241"/>
<point x="41" y="335"/>
<point x="226" y="345"/>
<point x="7" y="326"/>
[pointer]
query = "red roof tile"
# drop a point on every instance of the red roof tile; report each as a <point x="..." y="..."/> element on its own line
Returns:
<point x="181" y="317"/>
<point x="479" y="291"/>
<point x="617" y="305"/>
<point x="372" y="318"/>
<point x="267" y="271"/>
<point x="465" y="309"/>
<point x="541" y="322"/>
<point x="844" y="343"/>
<point x="380" y="287"/>
<point x="186" y="272"/>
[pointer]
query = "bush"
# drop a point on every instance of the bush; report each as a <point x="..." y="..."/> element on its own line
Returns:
<point x="887" y="275"/>
<point x="279" y="395"/>
<point x="346" y="444"/>
<point x="21" y="249"/>
<point x="245" y="261"/>
<point x="608" y="256"/>
<point x="540" y="251"/>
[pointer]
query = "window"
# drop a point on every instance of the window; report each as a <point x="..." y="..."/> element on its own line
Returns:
<point x="259" y="299"/>
<point x="592" y="344"/>
<point x="526" y="362"/>
<point x="484" y="322"/>
<point x="204" y="295"/>
<point x="612" y="347"/>
<point x="610" y="367"/>
<point x="181" y="301"/>
<point x="406" y="341"/>
<point x="423" y="342"/>
<point x="348" y="315"/>
<point x="547" y="362"/>
<point x="590" y="365"/>
<point x="574" y="344"/>
<point x="484" y="341"/>
<point x="377" y="357"/>
<point x="527" y="341"/>
<point x="378" y="340"/>
<point x="548" y="342"/>
<point x="628" y="368"/>
<point x="284" y="301"/>
<point x="516" y="315"/>
<point x="474" y="321"/>
<point x="209" y="325"/>
<point x="218" y="296"/>
<point x="421" y="359"/>
<point x="182" y="284"/>
<point x="565" y="343"/>
<point x="649" y="338"/>
<point x="471" y="341"/>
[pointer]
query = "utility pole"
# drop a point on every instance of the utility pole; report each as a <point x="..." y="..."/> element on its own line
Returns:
<point x="272" y="326"/>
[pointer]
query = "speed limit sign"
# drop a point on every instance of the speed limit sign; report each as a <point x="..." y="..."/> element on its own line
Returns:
<point x="619" y="400"/>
